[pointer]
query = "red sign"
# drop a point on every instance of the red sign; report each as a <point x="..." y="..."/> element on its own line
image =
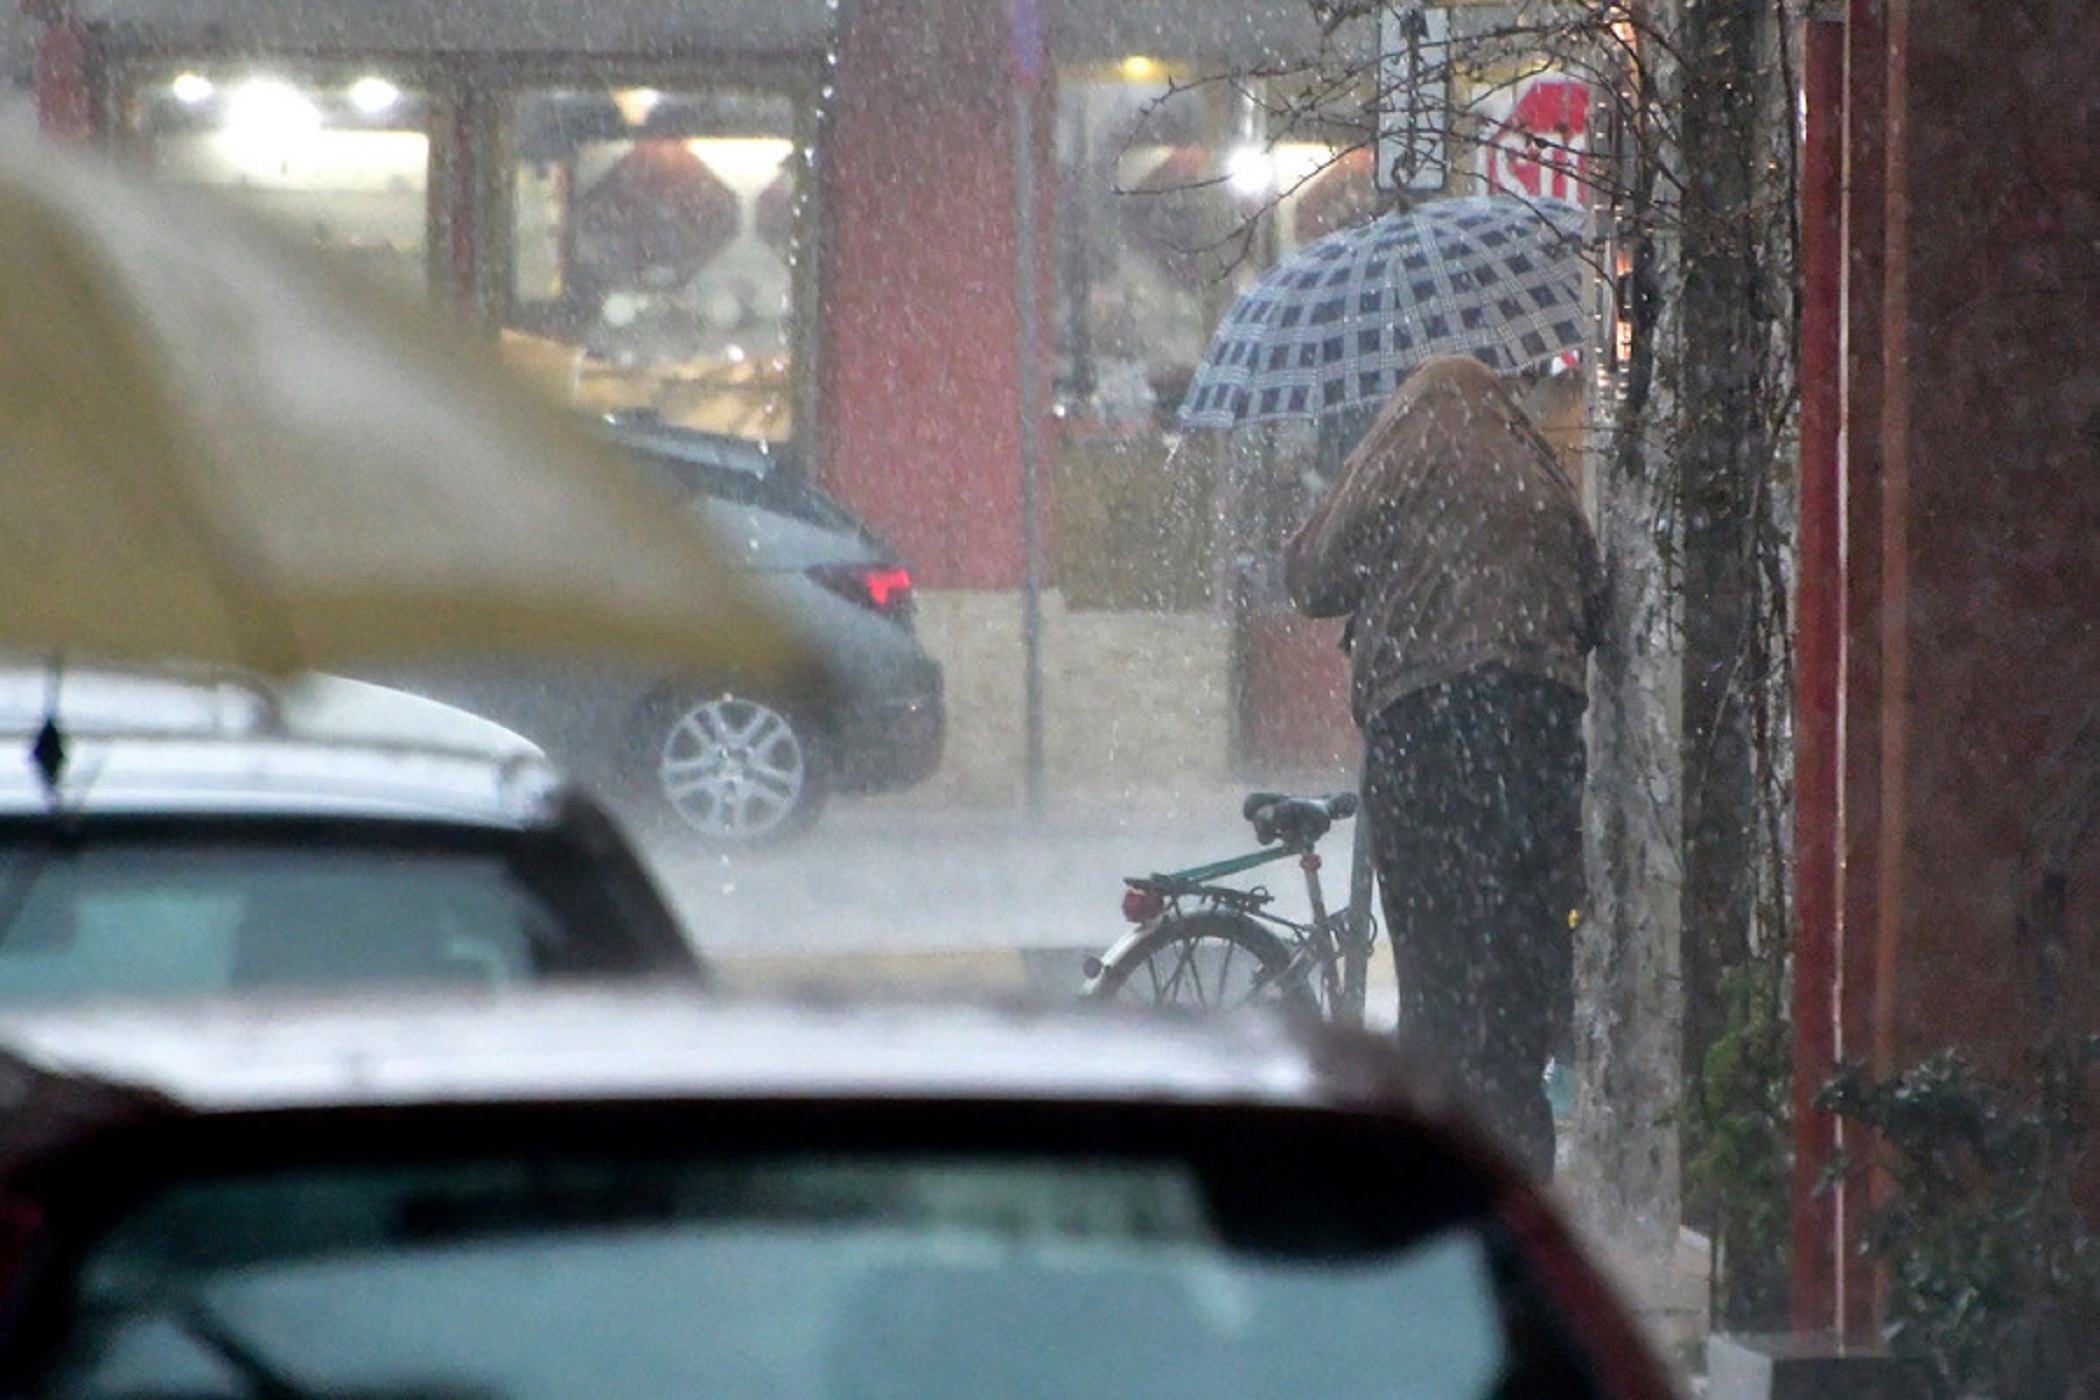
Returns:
<point x="1535" y="145"/>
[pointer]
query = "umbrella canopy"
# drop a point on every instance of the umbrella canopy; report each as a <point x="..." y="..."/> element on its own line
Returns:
<point x="217" y="447"/>
<point x="1344" y="319"/>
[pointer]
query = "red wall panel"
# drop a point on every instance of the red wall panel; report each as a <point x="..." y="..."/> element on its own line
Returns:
<point x="919" y="400"/>
<point x="1992" y="542"/>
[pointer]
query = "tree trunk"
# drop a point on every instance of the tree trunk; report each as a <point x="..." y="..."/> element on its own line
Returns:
<point x="1626" y="1178"/>
<point x="1722" y="453"/>
<point x="1735" y="376"/>
<point x="1625" y="1172"/>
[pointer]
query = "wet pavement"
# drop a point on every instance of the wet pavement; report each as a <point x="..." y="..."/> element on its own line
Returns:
<point x="919" y="881"/>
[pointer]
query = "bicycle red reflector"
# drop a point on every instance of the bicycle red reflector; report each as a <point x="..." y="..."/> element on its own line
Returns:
<point x="1140" y="905"/>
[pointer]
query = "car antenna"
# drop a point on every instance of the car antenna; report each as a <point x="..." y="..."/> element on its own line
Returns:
<point x="48" y="750"/>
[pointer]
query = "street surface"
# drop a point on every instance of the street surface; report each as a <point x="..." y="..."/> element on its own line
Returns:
<point x="904" y="890"/>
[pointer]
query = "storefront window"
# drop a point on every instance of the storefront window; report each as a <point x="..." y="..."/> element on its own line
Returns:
<point x="652" y="237"/>
<point x="340" y="160"/>
<point x="1135" y="214"/>
<point x="1171" y="201"/>
<point x="650" y="231"/>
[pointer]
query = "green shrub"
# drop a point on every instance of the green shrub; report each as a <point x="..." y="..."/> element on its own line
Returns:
<point x="1738" y="1150"/>
<point x="1992" y="1273"/>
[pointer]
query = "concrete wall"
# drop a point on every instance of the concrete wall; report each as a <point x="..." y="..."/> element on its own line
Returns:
<point x="1132" y="701"/>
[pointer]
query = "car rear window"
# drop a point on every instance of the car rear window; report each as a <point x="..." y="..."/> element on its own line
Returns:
<point x="812" y="1277"/>
<point x="739" y="474"/>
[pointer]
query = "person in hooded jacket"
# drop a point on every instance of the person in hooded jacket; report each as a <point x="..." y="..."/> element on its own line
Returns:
<point x="1456" y="545"/>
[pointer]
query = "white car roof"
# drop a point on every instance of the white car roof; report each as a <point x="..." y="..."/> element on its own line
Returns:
<point x="547" y="1044"/>
<point x="204" y="702"/>
<point x="281" y="777"/>
<point x="173" y="741"/>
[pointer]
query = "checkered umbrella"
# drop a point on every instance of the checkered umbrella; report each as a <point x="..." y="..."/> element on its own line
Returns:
<point x="1344" y="319"/>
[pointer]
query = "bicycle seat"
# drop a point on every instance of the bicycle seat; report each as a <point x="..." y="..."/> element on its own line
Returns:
<point x="1296" y="821"/>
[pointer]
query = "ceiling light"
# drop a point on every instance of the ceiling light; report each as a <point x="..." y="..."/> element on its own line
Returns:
<point x="1249" y="170"/>
<point x="636" y="104"/>
<point x="271" y="106"/>
<point x="373" y="95"/>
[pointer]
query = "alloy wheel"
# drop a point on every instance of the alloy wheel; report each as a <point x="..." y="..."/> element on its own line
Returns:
<point x="734" y="769"/>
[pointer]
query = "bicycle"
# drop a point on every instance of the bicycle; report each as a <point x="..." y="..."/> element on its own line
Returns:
<point x="1200" y="943"/>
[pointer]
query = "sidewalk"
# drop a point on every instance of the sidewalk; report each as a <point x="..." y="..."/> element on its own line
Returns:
<point x="1669" y="1295"/>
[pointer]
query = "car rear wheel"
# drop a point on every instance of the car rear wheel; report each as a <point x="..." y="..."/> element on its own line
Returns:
<point x="731" y="768"/>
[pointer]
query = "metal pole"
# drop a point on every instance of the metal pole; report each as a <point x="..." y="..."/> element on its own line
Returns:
<point x="1820" y="1269"/>
<point x="1362" y="889"/>
<point x="1025" y="253"/>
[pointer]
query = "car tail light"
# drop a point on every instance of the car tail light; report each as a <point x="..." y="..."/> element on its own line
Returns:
<point x="882" y="588"/>
<point x="1140" y="905"/>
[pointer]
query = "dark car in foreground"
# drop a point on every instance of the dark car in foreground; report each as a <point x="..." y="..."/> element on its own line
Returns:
<point x="186" y="834"/>
<point x="656" y="1196"/>
<point x="712" y="757"/>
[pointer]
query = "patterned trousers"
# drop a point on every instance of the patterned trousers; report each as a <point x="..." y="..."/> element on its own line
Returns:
<point x="1474" y="791"/>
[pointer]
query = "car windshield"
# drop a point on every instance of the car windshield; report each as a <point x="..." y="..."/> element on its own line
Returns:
<point x="801" y="1277"/>
<point x="202" y="908"/>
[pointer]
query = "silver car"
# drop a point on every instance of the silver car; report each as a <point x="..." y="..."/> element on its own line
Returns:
<point x="712" y="758"/>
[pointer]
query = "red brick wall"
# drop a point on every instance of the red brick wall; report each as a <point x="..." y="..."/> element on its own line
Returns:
<point x="1991" y="434"/>
<point x="1294" y="699"/>
<point x="918" y="396"/>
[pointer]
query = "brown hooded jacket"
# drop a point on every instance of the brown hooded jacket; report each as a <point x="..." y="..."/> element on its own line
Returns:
<point x="1455" y="539"/>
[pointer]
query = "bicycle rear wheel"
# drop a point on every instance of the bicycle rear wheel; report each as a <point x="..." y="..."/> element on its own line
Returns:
<point x="1211" y="959"/>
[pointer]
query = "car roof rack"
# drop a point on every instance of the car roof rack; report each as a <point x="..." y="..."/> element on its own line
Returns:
<point x="53" y="701"/>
